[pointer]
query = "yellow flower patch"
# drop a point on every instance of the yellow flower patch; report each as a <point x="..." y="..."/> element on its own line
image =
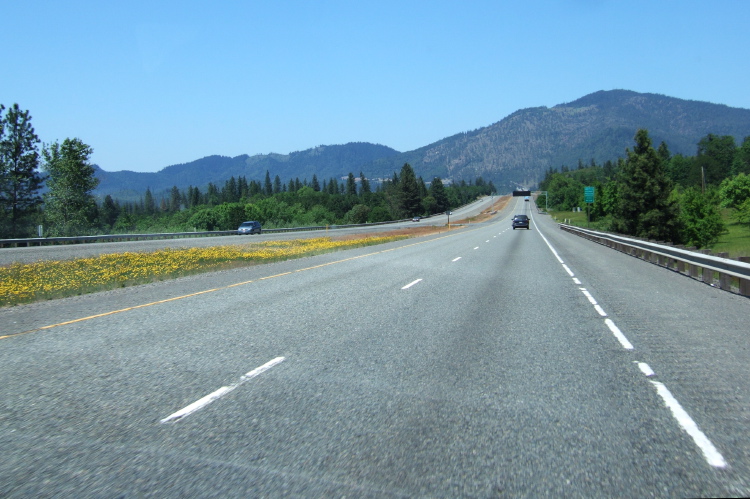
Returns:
<point x="21" y="283"/>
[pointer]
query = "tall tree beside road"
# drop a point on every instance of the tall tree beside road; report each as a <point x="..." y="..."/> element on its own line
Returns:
<point x="20" y="180"/>
<point x="741" y="163"/>
<point x="351" y="185"/>
<point x="644" y="208"/>
<point x="70" y="207"/>
<point x="715" y="157"/>
<point x="410" y="200"/>
<point x="365" y="188"/>
<point x="437" y="190"/>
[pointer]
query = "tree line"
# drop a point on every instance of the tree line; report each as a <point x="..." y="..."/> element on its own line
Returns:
<point x="653" y="194"/>
<point x="53" y="186"/>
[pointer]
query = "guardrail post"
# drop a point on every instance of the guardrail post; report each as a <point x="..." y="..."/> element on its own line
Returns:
<point x="692" y="268"/>
<point x="680" y="263"/>
<point x="725" y="280"/>
<point x="744" y="283"/>
<point x="708" y="274"/>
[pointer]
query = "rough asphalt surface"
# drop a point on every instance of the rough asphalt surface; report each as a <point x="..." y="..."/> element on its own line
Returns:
<point x="465" y="364"/>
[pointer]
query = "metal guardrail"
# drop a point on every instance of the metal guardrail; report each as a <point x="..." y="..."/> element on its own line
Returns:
<point x="39" y="241"/>
<point x="716" y="270"/>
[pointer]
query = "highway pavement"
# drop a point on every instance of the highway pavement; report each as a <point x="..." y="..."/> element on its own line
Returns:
<point x="478" y="362"/>
<point x="32" y="254"/>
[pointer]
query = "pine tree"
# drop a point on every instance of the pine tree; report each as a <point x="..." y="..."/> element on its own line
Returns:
<point x="20" y="180"/>
<point x="365" y="188"/>
<point x="267" y="185"/>
<point x="410" y="200"/>
<point x="437" y="191"/>
<point x="351" y="185"/>
<point x="644" y="208"/>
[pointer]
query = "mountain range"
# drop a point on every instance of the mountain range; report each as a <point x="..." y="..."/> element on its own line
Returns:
<point x="515" y="151"/>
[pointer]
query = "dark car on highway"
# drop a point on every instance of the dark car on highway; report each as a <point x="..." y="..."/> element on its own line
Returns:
<point x="250" y="227"/>
<point x="520" y="221"/>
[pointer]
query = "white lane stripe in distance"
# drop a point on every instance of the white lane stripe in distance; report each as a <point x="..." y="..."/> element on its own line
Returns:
<point x="570" y="272"/>
<point x="646" y="369"/>
<point x="201" y="403"/>
<point x="456" y="259"/>
<point x="550" y="247"/>
<point x="710" y="452"/>
<point x="618" y="334"/>
<point x="411" y="284"/>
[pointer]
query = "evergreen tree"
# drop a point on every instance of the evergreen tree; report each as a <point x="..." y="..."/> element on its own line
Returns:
<point x="644" y="208"/>
<point x="365" y="184"/>
<point x="243" y="189"/>
<point x="315" y="183"/>
<point x="109" y="212"/>
<point x="715" y="157"/>
<point x="437" y="191"/>
<point x="741" y="162"/>
<point x="351" y="185"/>
<point x="410" y="201"/>
<point x="149" y="204"/>
<point x="19" y="177"/>
<point x="174" y="199"/>
<point x="267" y="185"/>
<point x="69" y="204"/>
<point x="276" y="184"/>
<point x="212" y="195"/>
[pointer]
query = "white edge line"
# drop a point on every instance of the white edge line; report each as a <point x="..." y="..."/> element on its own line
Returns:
<point x="588" y="295"/>
<point x="713" y="457"/>
<point x="411" y="284"/>
<point x="618" y="334"/>
<point x="201" y="403"/>
<point x="600" y="310"/>
<point x="570" y="272"/>
<point x="549" y="245"/>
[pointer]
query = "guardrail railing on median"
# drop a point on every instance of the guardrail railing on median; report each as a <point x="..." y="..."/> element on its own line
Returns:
<point x="716" y="270"/>
<point x="38" y="241"/>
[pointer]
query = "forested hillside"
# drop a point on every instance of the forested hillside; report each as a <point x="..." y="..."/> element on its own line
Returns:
<point x="518" y="150"/>
<point x="515" y="151"/>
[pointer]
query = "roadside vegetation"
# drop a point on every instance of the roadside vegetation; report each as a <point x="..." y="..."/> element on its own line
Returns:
<point x="69" y="207"/>
<point x="701" y="201"/>
<point x="23" y="283"/>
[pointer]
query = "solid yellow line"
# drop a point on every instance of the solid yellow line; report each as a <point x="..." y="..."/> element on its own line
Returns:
<point x="212" y="290"/>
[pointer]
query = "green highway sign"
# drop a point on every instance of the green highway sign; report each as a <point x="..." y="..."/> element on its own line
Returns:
<point x="588" y="194"/>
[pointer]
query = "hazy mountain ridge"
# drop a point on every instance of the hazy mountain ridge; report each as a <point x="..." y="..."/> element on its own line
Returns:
<point x="516" y="150"/>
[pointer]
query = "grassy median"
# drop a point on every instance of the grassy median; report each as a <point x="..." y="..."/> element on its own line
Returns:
<point x="24" y="283"/>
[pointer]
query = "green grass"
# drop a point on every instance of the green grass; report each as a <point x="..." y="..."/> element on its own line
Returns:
<point x="735" y="240"/>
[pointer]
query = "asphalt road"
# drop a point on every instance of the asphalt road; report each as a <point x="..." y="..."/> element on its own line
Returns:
<point x="32" y="254"/>
<point x="475" y="363"/>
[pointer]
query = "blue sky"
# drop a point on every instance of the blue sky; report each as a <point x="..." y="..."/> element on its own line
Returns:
<point x="149" y="84"/>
